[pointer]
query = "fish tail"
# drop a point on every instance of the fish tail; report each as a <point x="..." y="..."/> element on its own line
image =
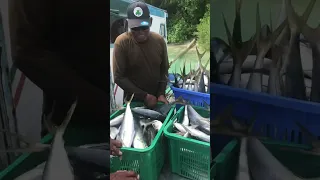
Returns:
<point x="66" y="121"/>
<point x="128" y="102"/>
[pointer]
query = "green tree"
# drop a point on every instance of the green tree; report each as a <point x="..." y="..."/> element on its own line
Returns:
<point x="203" y="31"/>
<point x="184" y="16"/>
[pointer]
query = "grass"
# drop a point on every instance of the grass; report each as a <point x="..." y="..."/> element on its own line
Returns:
<point x="189" y="57"/>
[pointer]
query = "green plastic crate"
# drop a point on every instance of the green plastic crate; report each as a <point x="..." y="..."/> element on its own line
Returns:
<point x="146" y="162"/>
<point x="74" y="136"/>
<point x="189" y="158"/>
<point x="225" y="164"/>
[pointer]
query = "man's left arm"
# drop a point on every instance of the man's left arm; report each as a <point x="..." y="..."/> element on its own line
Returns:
<point x="164" y="68"/>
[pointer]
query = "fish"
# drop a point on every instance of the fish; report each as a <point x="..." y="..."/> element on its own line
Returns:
<point x="219" y="53"/>
<point x="220" y="49"/>
<point x="201" y="84"/>
<point x="127" y="130"/>
<point x="179" y="127"/>
<point x="150" y="134"/>
<point x="157" y="125"/>
<point x="196" y="78"/>
<point x="264" y="43"/>
<point x="196" y="119"/>
<point x="312" y="36"/>
<point x="275" y="83"/>
<point x="139" y="141"/>
<point x="243" y="169"/>
<point x="264" y="166"/>
<point x="58" y="165"/>
<point x="117" y="120"/>
<point x="113" y="132"/>
<point x="91" y="158"/>
<point x="149" y="113"/>
<point x="292" y="67"/>
<point x="186" y="120"/>
<point x="240" y="50"/>
<point x="197" y="133"/>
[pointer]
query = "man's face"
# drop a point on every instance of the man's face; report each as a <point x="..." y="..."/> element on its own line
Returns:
<point x="141" y="33"/>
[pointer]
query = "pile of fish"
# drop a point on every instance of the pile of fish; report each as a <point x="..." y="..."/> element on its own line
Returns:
<point x="195" y="80"/>
<point x="85" y="162"/>
<point x="193" y="125"/>
<point x="256" y="162"/>
<point x="137" y="127"/>
<point x="274" y="60"/>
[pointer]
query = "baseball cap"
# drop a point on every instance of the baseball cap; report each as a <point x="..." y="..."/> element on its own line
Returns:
<point x="138" y="15"/>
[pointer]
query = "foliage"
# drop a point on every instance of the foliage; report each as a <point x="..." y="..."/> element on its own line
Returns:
<point x="184" y="16"/>
<point x="179" y="31"/>
<point x="203" y="31"/>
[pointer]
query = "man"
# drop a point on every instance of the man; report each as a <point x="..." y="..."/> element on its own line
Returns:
<point x="60" y="45"/>
<point x="140" y="59"/>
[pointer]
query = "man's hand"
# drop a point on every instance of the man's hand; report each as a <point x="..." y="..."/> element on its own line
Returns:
<point x="163" y="99"/>
<point x="124" y="175"/>
<point x="115" y="146"/>
<point x="150" y="101"/>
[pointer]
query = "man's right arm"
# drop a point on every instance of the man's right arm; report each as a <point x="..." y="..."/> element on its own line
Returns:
<point x="35" y="58"/>
<point x="119" y="68"/>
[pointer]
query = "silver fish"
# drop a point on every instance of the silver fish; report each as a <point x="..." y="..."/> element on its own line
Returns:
<point x="186" y="135"/>
<point x="117" y="120"/>
<point x="157" y="125"/>
<point x="292" y="67"/>
<point x="196" y="119"/>
<point x="179" y="127"/>
<point x="144" y="123"/>
<point x="243" y="169"/>
<point x="197" y="134"/>
<point x="263" y="46"/>
<point x="127" y="130"/>
<point x="264" y="166"/>
<point x="91" y="154"/>
<point x="312" y="35"/>
<point x="58" y="165"/>
<point x="113" y="132"/>
<point x="139" y="142"/>
<point x="149" y="113"/>
<point x="240" y="50"/>
<point x="186" y="120"/>
<point x="150" y="133"/>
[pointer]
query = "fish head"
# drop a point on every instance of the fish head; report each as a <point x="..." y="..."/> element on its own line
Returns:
<point x="157" y="125"/>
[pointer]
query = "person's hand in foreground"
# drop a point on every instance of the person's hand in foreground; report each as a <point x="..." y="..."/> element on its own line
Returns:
<point x="115" y="146"/>
<point x="150" y="101"/>
<point x="163" y="99"/>
<point x="124" y="175"/>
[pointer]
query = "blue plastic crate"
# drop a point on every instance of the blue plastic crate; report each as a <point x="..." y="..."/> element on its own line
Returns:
<point x="195" y="98"/>
<point x="275" y="115"/>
